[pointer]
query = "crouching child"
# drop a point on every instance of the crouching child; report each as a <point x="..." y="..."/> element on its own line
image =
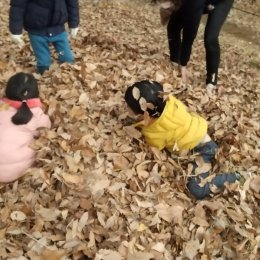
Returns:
<point x="172" y="126"/>
<point x="21" y="115"/>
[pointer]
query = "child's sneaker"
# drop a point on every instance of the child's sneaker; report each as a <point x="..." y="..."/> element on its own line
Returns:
<point x="238" y="175"/>
<point x="240" y="178"/>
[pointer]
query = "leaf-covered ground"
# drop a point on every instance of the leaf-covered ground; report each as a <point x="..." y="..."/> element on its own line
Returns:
<point x="97" y="191"/>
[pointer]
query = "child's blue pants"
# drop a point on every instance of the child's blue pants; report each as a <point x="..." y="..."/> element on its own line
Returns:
<point x="207" y="151"/>
<point x="40" y="45"/>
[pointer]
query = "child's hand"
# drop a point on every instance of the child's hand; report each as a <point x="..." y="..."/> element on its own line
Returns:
<point x="128" y="121"/>
<point x="146" y="120"/>
<point x="18" y="39"/>
<point x="73" y="32"/>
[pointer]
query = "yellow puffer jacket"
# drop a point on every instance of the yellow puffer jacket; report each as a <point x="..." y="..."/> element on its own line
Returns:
<point x="175" y="127"/>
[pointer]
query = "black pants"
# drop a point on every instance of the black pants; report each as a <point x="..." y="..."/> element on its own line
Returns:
<point x="182" y="30"/>
<point x="216" y="19"/>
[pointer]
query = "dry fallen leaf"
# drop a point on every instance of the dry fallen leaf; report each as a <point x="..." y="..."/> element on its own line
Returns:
<point x="53" y="254"/>
<point x="140" y="256"/>
<point x="170" y="213"/>
<point x="18" y="216"/>
<point x="49" y="214"/>
<point x="255" y="184"/>
<point x="136" y="93"/>
<point x="191" y="249"/>
<point x="104" y="254"/>
<point x="96" y="189"/>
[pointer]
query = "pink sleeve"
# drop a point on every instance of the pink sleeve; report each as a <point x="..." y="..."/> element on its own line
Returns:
<point x="40" y="119"/>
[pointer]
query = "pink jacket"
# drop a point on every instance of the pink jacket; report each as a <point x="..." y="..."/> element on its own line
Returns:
<point x="15" y="154"/>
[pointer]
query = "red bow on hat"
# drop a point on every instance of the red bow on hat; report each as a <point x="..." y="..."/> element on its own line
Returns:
<point x="31" y="103"/>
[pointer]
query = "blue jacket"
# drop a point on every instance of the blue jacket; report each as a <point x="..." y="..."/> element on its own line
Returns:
<point x="43" y="17"/>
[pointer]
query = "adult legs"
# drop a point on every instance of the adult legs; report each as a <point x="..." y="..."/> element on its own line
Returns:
<point x="40" y="46"/>
<point x="190" y="30"/>
<point x="182" y="47"/>
<point x="62" y="46"/>
<point x="174" y="28"/>
<point x="216" y="19"/>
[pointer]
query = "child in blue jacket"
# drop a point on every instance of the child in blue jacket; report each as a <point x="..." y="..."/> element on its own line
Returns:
<point x="44" y="20"/>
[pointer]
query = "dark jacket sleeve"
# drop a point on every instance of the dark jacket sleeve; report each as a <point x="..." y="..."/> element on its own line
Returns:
<point x="16" y="16"/>
<point x="202" y="192"/>
<point x="210" y="2"/>
<point x="73" y="13"/>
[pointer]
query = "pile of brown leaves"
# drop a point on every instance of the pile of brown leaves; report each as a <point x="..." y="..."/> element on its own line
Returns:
<point x="97" y="191"/>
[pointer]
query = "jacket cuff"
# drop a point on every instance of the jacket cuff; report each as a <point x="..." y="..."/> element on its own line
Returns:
<point x="16" y="32"/>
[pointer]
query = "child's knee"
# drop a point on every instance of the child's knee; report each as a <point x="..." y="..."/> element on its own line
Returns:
<point x="66" y="56"/>
<point x="198" y="191"/>
<point x="207" y="151"/>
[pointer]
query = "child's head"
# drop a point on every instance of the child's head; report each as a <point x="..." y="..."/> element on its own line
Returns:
<point x="145" y="96"/>
<point x="21" y="87"/>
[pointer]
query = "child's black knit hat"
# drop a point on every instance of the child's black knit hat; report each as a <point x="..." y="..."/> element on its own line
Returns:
<point x="22" y="86"/>
<point x="145" y="96"/>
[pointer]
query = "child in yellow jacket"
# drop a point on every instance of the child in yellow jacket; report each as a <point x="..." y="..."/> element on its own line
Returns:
<point x="174" y="128"/>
